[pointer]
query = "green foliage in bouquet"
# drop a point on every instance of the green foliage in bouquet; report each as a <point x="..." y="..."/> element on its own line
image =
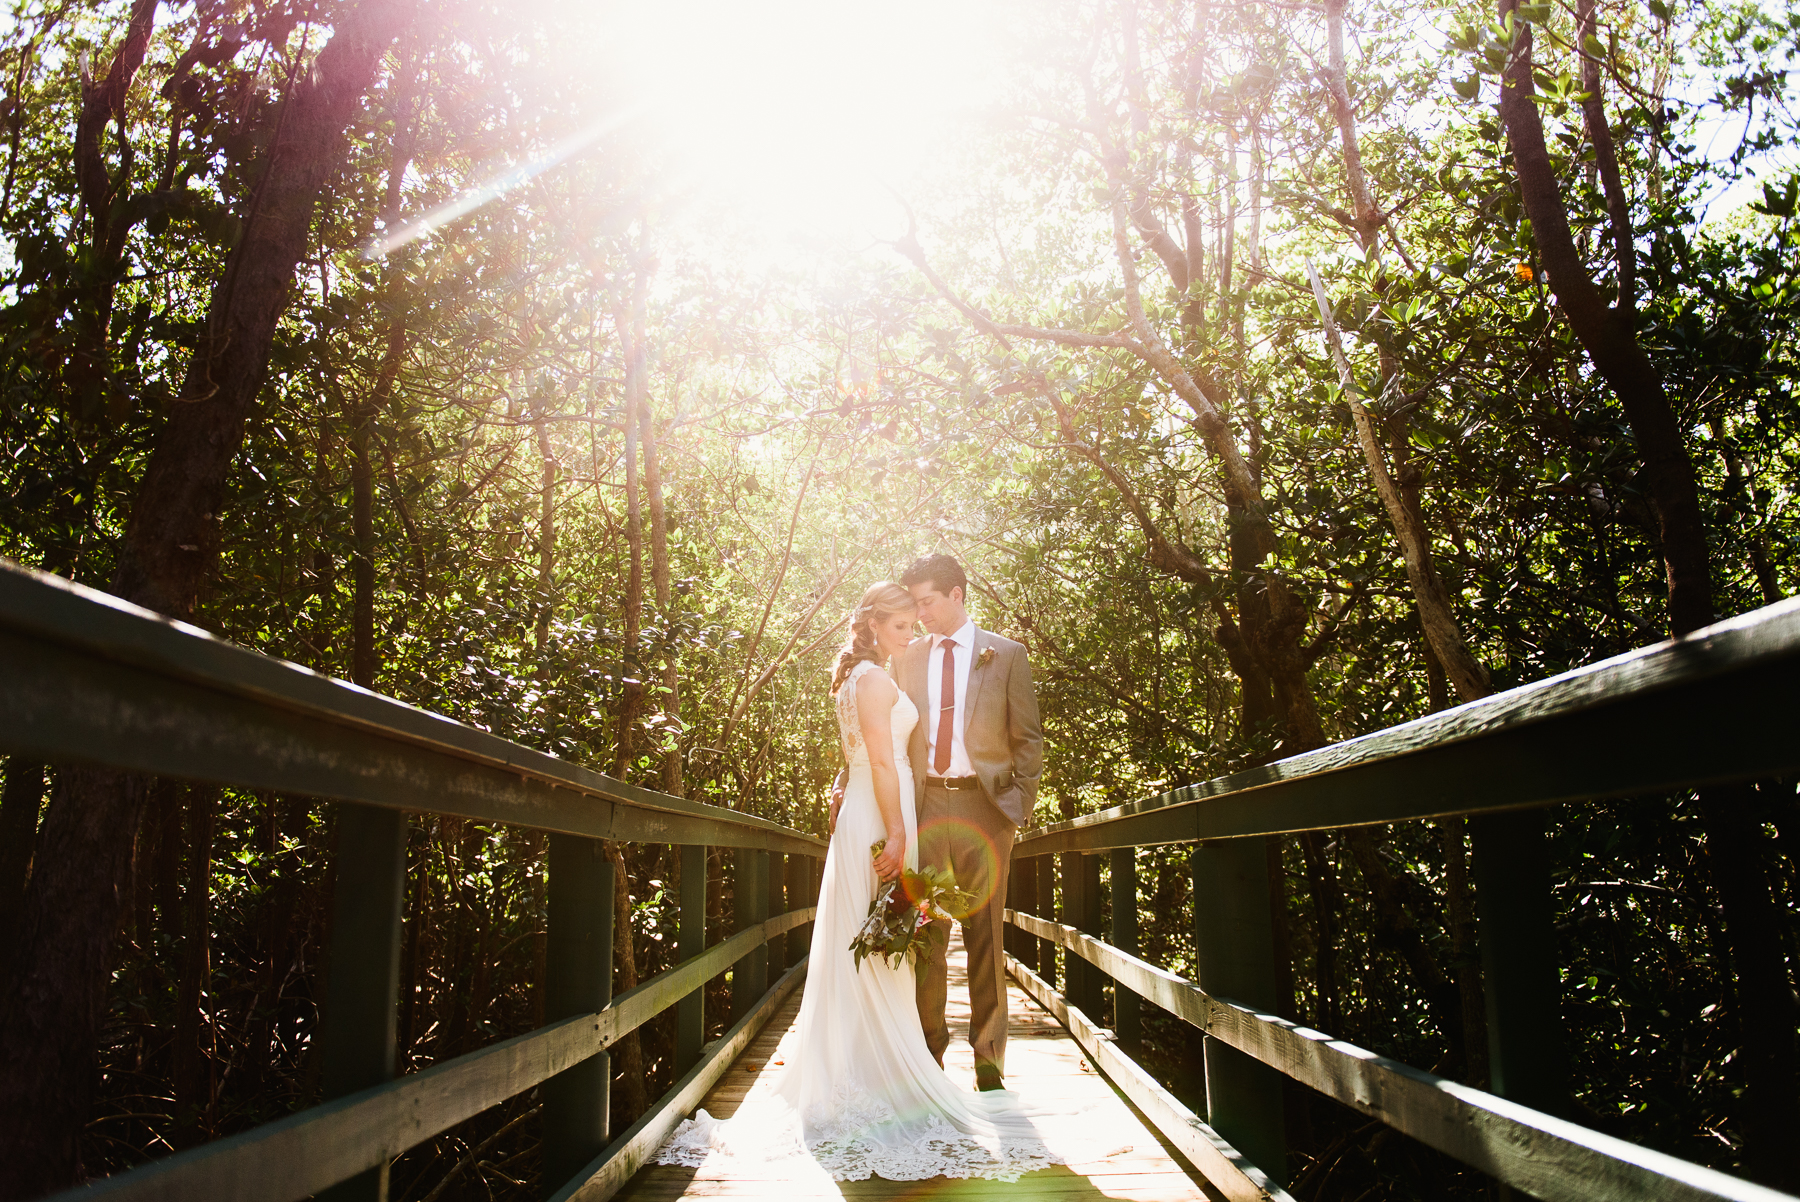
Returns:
<point x="900" y="916"/>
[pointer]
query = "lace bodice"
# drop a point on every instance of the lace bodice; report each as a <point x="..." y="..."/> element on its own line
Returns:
<point x="905" y="716"/>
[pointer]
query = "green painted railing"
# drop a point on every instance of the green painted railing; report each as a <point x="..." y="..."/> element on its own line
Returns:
<point x="1717" y="706"/>
<point x="86" y="678"/>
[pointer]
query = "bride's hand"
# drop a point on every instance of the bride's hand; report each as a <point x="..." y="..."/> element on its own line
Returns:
<point x="891" y="858"/>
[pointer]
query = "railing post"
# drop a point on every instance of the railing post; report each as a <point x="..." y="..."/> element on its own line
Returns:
<point x="1093" y="992"/>
<point x="759" y="959"/>
<point x="1127" y="1023"/>
<point x="690" y="1012"/>
<point x="750" y="905"/>
<point x="812" y="892"/>
<point x="1023" y="880"/>
<point x="1046" y="895"/>
<point x="1009" y="940"/>
<point x="362" y="999"/>
<point x="1068" y="872"/>
<point x="1518" y="958"/>
<point x="798" y="878"/>
<point x="1080" y="909"/>
<point x="1234" y="939"/>
<point x="778" y="905"/>
<point x="579" y="969"/>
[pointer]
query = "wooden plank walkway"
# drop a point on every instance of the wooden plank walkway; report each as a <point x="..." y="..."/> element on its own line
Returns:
<point x="1042" y="1061"/>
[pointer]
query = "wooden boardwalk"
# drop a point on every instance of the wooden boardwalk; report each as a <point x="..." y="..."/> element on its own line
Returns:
<point x="1042" y="1061"/>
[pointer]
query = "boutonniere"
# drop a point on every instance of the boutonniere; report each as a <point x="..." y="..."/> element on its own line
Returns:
<point x="985" y="658"/>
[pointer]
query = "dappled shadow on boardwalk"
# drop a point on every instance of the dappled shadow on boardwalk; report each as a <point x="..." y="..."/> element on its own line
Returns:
<point x="1043" y="1063"/>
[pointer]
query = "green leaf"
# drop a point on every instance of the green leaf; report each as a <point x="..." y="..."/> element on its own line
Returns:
<point x="1779" y="202"/>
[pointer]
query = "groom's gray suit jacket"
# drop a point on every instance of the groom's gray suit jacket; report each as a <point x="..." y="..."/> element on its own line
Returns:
<point x="1001" y="731"/>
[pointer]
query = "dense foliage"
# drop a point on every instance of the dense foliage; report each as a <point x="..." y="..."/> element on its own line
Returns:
<point x="568" y="468"/>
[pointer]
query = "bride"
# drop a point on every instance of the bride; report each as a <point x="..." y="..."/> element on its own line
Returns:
<point x="860" y="1093"/>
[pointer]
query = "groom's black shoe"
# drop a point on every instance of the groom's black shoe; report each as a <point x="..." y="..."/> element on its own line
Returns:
<point x="987" y="1077"/>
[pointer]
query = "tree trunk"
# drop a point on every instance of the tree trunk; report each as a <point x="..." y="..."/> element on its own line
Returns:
<point x="534" y="841"/>
<point x="19" y="806"/>
<point x="630" y="321"/>
<point x="1465" y="952"/>
<point x="1443" y="632"/>
<point x="280" y="924"/>
<point x="1763" y="992"/>
<point x="324" y="567"/>
<point x="1458" y="663"/>
<point x="362" y="558"/>
<point x="1606" y="161"/>
<point x="1608" y="333"/>
<point x="50" y="1013"/>
<point x="1396" y="928"/>
<point x="54" y="1005"/>
<point x="1328" y="908"/>
<point x="467" y="926"/>
<point x="192" y="1068"/>
<point x="629" y="1051"/>
<point x="418" y="917"/>
<point x="1457" y="1001"/>
<point x="1459" y="904"/>
<point x="1742" y="495"/>
<point x="88" y="375"/>
<point x="659" y="576"/>
<point x="546" y="575"/>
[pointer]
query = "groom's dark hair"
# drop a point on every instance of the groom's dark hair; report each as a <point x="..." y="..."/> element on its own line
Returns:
<point x="942" y="572"/>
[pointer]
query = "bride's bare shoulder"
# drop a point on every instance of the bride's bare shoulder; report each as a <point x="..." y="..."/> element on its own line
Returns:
<point x="875" y="687"/>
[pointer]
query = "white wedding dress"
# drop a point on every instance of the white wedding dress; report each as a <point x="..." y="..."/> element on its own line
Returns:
<point x="859" y="1094"/>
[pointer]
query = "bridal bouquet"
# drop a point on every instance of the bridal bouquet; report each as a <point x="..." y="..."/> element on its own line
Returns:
<point x="899" y="921"/>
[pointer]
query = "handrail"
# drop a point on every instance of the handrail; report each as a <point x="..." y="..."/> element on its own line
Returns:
<point x="1716" y="705"/>
<point x="296" y="1157"/>
<point x="1224" y="1167"/>
<point x="85" y="677"/>
<point x="88" y="677"/>
<point x="1546" y="1157"/>
<point x="602" y="1177"/>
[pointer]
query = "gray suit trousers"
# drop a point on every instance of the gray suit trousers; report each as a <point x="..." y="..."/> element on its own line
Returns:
<point x="964" y="830"/>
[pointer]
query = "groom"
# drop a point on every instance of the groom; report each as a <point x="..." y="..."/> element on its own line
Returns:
<point x="977" y="752"/>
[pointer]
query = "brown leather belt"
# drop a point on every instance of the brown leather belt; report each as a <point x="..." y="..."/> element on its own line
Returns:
<point x="954" y="783"/>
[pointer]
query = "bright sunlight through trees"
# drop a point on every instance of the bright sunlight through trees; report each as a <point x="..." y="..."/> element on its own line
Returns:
<point x="1282" y="371"/>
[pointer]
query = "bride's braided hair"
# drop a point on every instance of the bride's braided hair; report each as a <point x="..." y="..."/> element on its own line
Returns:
<point x="880" y="601"/>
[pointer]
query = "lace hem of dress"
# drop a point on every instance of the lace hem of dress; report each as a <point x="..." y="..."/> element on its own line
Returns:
<point x="850" y="1145"/>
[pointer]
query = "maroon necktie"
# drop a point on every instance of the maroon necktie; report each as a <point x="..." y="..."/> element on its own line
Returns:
<point x="940" y="757"/>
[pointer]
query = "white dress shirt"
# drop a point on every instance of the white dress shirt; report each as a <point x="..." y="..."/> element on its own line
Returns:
<point x="964" y="653"/>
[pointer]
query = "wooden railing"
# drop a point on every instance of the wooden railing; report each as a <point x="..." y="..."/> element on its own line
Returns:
<point x="86" y="678"/>
<point x="1718" y="706"/>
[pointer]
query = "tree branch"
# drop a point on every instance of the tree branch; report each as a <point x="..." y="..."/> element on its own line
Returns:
<point x="1606" y="158"/>
<point x="1173" y="558"/>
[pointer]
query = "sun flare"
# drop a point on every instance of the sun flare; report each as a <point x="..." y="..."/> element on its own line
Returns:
<point x="804" y="113"/>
